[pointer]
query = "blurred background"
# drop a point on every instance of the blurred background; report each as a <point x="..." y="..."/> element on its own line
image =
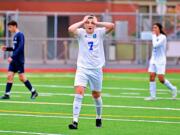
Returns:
<point x="49" y="45"/>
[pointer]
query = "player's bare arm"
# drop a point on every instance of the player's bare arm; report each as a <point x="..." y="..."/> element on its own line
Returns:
<point x="73" y="28"/>
<point x="4" y="48"/>
<point x="108" y="25"/>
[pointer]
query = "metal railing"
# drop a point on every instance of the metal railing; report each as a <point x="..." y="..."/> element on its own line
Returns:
<point x="47" y="39"/>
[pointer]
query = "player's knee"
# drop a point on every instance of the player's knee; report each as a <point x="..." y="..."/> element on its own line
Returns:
<point x="161" y="79"/>
<point x="10" y="77"/>
<point x="79" y="90"/>
<point x="152" y="77"/>
<point x="96" y="94"/>
<point x="22" y="78"/>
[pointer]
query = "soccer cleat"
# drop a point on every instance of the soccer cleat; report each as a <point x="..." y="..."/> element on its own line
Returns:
<point x="174" y="93"/>
<point x="34" y="95"/>
<point x="74" y="125"/>
<point x="150" y="98"/>
<point x="5" y="96"/>
<point x="98" y="123"/>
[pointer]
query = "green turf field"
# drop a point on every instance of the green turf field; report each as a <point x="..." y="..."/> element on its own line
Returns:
<point x="125" y="112"/>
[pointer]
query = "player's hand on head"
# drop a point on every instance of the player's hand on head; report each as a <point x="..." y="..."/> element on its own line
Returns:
<point x="95" y="19"/>
<point x="85" y="18"/>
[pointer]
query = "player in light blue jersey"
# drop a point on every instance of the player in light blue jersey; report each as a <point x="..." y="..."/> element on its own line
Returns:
<point x="89" y="64"/>
<point x="157" y="65"/>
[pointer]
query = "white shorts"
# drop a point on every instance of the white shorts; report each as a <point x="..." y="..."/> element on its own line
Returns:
<point x="93" y="77"/>
<point x="157" y="68"/>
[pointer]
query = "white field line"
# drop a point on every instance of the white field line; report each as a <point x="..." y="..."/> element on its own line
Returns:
<point x="72" y="87"/>
<point x="130" y="93"/>
<point x="88" y="118"/>
<point x="73" y="75"/>
<point x="105" y="95"/>
<point x="91" y="105"/>
<point x="44" y="86"/>
<point x="24" y="132"/>
<point x="136" y="78"/>
<point x="67" y="94"/>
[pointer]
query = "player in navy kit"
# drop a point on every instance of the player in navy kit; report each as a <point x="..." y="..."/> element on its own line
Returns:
<point x="16" y="61"/>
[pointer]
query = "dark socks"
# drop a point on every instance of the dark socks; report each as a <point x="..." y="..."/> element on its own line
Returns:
<point x="28" y="85"/>
<point x="8" y="88"/>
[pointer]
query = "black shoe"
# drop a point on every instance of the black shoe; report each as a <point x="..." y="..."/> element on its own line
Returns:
<point x="98" y="123"/>
<point x="5" y="96"/>
<point x="34" y="95"/>
<point x="74" y="125"/>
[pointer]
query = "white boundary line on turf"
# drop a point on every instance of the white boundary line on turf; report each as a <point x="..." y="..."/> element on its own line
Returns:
<point x="129" y="93"/>
<point x="24" y="132"/>
<point x="105" y="95"/>
<point x="73" y="75"/>
<point x="92" y="105"/>
<point x="44" y="85"/>
<point x="72" y="87"/>
<point x="67" y="94"/>
<point x="89" y="118"/>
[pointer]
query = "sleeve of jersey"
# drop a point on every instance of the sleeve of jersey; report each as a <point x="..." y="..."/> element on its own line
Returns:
<point x="8" y="49"/>
<point x="102" y="32"/>
<point x="79" y="32"/>
<point x="20" y="47"/>
<point x="159" y="42"/>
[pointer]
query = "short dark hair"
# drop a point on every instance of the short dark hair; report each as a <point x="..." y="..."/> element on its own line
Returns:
<point x="90" y="16"/>
<point x="13" y="23"/>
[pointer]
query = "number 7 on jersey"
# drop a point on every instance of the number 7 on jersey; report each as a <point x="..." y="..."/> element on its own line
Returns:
<point x="90" y="44"/>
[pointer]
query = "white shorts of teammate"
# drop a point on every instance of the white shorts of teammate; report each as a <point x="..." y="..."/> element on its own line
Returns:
<point x="157" y="68"/>
<point x="93" y="77"/>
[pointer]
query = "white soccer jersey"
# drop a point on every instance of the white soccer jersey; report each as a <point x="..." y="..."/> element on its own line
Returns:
<point x="159" y="49"/>
<point x="91" y="50"/>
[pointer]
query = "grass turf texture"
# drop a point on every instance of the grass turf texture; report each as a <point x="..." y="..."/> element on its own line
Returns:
<point x="125" y="112"/>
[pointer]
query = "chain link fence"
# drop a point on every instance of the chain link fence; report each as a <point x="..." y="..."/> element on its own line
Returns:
<point x="48" y="40"/>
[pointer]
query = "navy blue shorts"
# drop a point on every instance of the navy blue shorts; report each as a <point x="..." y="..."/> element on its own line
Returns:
<point x="16" y="67"/>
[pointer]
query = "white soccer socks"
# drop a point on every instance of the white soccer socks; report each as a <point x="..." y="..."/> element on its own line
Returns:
<point x="77" y="106"/>
<point x="171" y="87"/>
<point x="152" y="88"/>
<point x="98" y="103"/>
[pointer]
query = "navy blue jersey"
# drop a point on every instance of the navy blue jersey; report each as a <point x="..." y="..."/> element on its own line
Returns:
<point x="18" y="48"/>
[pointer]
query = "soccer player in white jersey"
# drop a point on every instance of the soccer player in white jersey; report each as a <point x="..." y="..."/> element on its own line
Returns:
<point x="89" y="64"/>
<point x="157" y="65"/>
